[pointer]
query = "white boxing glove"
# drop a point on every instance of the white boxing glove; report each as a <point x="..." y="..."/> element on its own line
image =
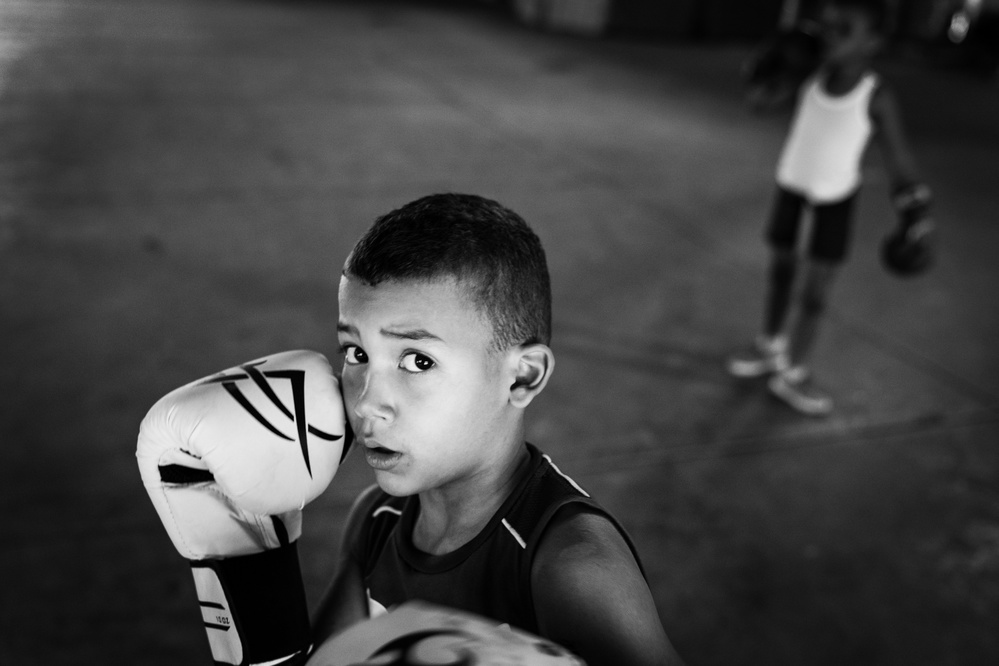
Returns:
<point x="424" y="634"/>
<point x="229" y="462"/>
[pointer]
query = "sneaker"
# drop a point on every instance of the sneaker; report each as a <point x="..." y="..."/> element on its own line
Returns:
<point x="765" y="356"/>
<point x="794" y="386"/>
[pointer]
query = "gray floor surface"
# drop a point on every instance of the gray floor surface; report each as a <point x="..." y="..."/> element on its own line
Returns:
<point x="180" y="181"/>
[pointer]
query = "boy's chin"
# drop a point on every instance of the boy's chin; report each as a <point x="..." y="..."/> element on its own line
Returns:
<point x="393" y="485"/>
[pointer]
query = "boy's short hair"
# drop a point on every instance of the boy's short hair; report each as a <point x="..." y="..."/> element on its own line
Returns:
<point x="487" y="248"/>
<point x="875" y="10"/>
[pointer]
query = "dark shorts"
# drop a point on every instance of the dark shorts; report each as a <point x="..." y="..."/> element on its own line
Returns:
<point x="831" y="225"/>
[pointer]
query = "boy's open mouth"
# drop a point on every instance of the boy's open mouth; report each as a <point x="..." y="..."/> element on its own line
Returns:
<point x="379" y="457"/>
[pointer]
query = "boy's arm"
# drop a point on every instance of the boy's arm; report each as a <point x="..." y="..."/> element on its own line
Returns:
<point x="911" y="197"/>
<point x="591" y="597"/>
<point x="345" y="601"/>
<point x="775" y="71"/>
<point x="763" y="98"/>
<point x="891" y="138"/>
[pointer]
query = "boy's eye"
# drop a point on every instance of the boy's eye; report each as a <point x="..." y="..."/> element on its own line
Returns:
<point x="415" y="362"/>
<point x="352" y="355"/>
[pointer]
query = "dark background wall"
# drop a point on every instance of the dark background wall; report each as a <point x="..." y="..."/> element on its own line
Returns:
<point x="711" y="19"/>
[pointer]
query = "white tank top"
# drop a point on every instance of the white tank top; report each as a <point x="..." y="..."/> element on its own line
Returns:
<point x="822" y="153"/>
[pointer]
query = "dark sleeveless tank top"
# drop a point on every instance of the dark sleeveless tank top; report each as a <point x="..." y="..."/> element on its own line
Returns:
<point x="491" y="574"/>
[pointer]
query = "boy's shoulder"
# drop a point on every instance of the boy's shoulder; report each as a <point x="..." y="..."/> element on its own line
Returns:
<point x="581" y="547"/>
<point x="884" y="104"/>
<point x="575" y="529"/>
<point x="551" y="501"/>
<point x="876" y="78"/>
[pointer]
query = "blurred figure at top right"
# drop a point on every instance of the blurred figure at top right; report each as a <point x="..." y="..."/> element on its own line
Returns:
<point x="824" y="69"/>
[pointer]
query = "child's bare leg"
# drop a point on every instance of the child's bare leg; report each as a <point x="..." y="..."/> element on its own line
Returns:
<point x="791" y="382"/>
<point x="768" y="350"/>
<point x="783" y="265"/>
<point x="818" y="281"/>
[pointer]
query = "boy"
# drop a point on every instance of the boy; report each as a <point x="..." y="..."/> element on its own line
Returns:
<point x="840" y="107"/>
<point x="444" y="326"/>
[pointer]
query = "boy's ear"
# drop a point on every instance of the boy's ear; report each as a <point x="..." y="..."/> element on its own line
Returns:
<point x="532" y="367"/>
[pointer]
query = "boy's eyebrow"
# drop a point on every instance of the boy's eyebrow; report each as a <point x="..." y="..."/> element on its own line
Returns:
<point x="405" y="334"/>
<point x="414" y="334"/>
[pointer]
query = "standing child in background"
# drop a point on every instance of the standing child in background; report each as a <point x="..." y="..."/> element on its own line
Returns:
<point x="445" y="311"/>
<point x="840" y="107"/>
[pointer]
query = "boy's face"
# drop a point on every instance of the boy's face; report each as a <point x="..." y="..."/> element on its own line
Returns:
<point x="427" y="396"/>
<point x="847" y="34"/>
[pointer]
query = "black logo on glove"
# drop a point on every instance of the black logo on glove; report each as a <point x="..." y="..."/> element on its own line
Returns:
<point x="439" y="648"/>
<point x="297" y="379"/>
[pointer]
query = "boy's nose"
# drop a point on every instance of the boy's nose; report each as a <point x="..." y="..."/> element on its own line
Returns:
<point x="372" y="398"/>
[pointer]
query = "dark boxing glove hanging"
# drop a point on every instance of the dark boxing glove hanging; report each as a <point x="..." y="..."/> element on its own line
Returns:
<point x="907" y="251"/>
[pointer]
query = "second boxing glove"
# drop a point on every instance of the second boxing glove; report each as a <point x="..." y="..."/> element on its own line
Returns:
<point x="909" y="249"/>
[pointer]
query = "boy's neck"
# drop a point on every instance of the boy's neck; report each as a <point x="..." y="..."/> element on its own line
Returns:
<point x="840" y="78"/>
<point x="452" y="516"/>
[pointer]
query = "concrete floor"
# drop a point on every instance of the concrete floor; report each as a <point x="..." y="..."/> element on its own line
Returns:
<point x="181" y="180"/>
